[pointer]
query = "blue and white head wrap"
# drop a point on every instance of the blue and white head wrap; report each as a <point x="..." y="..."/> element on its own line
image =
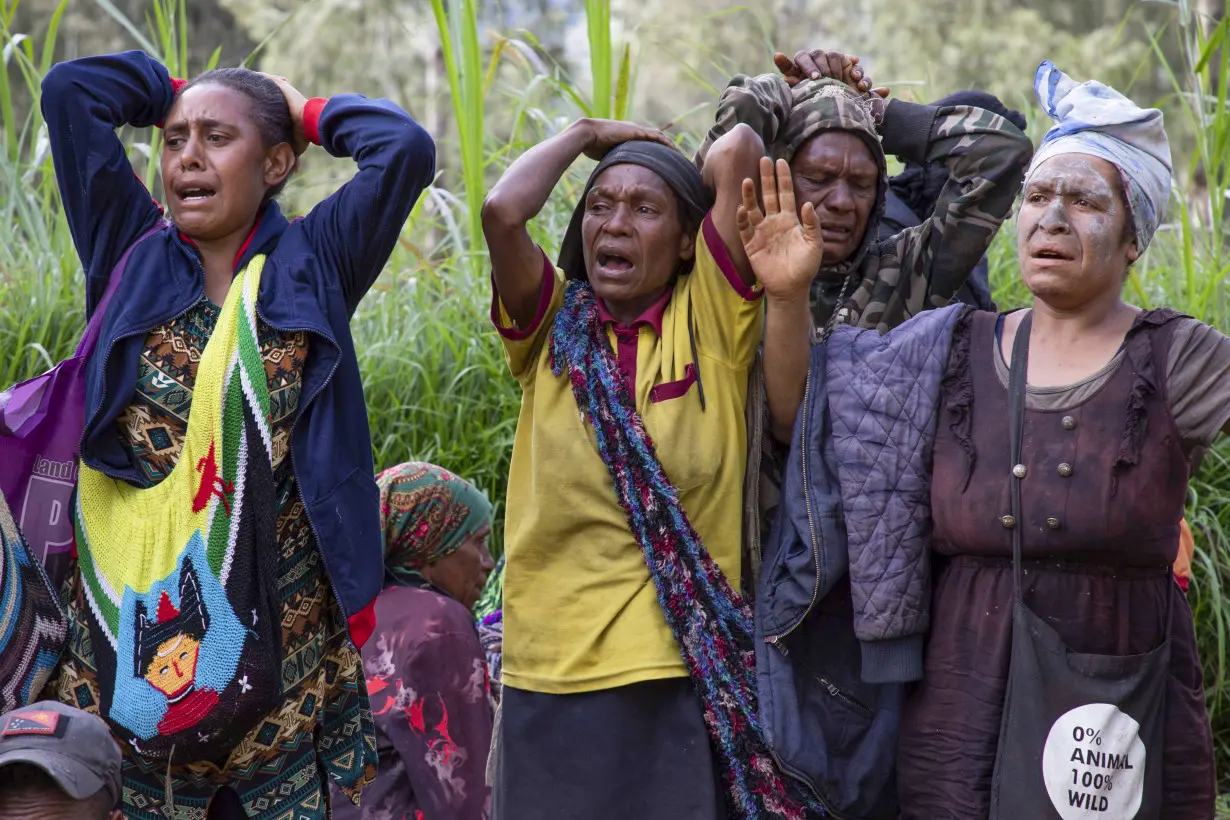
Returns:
<point x="1093" y="118"/>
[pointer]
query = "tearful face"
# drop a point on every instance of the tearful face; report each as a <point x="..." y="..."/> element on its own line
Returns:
<point x="216" y="169"/>
<point x="836" y="172"/>
<point x="632" y="240"/>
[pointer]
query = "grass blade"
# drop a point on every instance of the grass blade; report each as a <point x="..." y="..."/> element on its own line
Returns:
<point x="598" y="18"/>
<point x="122" y="19"/>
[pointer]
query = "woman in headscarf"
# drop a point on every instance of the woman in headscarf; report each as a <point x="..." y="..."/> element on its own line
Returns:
<point x="425" y="669"/>
<point x="912" y="197"/>
<point x="628" y="682"/>
<point x="1060" y="673"/>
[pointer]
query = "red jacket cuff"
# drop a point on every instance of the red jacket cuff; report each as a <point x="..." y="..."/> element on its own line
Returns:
<point x="176" y="85"/>
<point x="311" y="118"/>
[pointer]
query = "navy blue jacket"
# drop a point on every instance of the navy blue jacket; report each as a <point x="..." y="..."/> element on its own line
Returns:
<point x="317" y="270"/>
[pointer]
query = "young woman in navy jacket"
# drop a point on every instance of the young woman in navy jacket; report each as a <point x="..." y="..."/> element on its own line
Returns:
<point x="232" y="139"/>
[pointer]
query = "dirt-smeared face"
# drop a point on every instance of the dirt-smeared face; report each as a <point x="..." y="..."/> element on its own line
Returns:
<point x="1074" y="232"/>
<point x="216" y="168"/>
<point x="632" y="240"/>
<point x="836" y="172"/>
<point x="174" y="666"/>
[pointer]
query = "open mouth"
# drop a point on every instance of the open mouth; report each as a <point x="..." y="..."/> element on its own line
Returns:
<point x="195" y="194"/>
<point x="1050" y="253"/>
<point x="614" y="263"/>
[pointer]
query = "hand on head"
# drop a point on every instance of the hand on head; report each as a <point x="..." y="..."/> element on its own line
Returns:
<point x="816" y="63"/>
<point x="297" y="103"/>
<point x="606" y="134"/>
<point x="231" y="143"/>
<point x="784" y="248"/>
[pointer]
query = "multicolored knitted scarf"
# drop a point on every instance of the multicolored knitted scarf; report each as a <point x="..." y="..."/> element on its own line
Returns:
<point x="710" y="621"/>
<point x="491" y="602"/>
<point x="489" y="614"/>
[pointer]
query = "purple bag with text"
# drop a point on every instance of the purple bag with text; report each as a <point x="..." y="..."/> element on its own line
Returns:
<point x="41" y="424"/>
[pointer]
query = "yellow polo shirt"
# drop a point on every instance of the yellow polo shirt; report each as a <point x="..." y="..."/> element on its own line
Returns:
<point x="580" y="609"/>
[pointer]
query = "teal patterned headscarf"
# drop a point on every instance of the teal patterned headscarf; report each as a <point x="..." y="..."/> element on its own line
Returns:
<point x="426" y="513"/>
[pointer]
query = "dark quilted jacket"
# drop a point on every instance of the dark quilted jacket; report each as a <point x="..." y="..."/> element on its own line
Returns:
<point x="883" y="394"/>
<point x="828" y="728"/>
<point x="842" y="600"/>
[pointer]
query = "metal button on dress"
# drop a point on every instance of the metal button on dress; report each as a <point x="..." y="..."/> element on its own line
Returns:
<point x="1019" y="471"/>
<point x="1008" y="521"/>
<point x="1068" y="423"/>
<point x="1065" y="470"/>
<point x="1053" y="523"/>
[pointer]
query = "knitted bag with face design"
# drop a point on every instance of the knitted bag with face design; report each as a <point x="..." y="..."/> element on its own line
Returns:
<point x="180" y="577"/>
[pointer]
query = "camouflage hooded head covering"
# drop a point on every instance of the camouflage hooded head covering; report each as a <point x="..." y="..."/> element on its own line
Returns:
<point x="820" y="106"/>
<point x="786" y="118"/>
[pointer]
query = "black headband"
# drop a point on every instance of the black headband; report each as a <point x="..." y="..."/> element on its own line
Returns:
<point x="675" y="169"/>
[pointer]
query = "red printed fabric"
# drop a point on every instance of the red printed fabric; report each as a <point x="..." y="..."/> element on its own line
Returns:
<point x="427" y="680"/>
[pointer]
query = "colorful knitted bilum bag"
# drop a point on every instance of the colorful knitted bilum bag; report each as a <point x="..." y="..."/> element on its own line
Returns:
<point x="181" y="577"/>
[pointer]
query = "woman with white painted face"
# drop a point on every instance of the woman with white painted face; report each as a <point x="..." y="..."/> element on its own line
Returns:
<point x="1066" y="679"/>
<point x="1059" y="671"/>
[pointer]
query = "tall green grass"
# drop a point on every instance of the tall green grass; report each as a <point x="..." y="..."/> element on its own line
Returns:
<point x="41" y="316"/>
<point x="1199" y="93"/>
<point x="458" y="27"/>
<point x="435" y="381"/>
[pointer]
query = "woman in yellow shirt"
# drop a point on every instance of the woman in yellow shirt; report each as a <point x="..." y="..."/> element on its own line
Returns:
<point x="628" y="682"/>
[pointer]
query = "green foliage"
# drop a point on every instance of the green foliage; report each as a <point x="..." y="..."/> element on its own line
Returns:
<point x="598" y="15"/>
<point x="434" y="376"/>
<point x="995" y="45"/>
<point x="463" y="60"/>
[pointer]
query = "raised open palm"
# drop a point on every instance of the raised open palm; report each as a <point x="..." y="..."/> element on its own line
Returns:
<point x="785" y="251"/>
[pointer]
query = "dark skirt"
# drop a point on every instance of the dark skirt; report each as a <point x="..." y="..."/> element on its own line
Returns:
<point x="226" y="805"/>
<point x="638" y="751"/>
<point x="951" y="722"/>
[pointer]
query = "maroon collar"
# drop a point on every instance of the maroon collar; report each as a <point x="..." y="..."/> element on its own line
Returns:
<point x="243" y="249"/>
<point x="652" y="315"/>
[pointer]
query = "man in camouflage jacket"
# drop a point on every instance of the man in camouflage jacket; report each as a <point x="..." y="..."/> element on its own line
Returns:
<point x="879" y="284"/>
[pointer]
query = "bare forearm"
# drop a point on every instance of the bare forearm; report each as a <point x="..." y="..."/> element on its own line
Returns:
<point x="787" y="353"/>
<point x="516" y="262"/>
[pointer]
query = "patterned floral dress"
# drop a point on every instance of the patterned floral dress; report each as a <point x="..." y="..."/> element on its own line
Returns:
<point x="323" y="730"/>
<point x="427" y="675"/>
